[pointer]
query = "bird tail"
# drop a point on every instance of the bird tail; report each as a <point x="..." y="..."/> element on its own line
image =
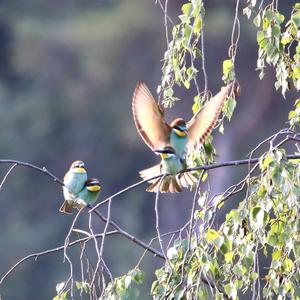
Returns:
<point x="150" y="172"/>
<point x="187" y="179"/>
<point x="66" y="208"/>
<point x="168" y="185"/>
<point x="171" y="183"/>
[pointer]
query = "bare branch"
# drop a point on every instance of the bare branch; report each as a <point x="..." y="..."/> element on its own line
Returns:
<point x="53" y="250"/>
<point x="25" y="164"/>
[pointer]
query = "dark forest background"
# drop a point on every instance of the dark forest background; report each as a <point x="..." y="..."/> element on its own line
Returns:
<point x="67" y="73"/>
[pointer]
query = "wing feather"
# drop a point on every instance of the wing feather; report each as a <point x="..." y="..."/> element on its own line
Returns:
<point x="149" y="118"/>
<point x="202" y="124"/>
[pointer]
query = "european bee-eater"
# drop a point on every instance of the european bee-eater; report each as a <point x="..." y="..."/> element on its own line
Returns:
<point x="171" y="164"/>
<point x="156" y="133"/>
<point x="74" y="181"/>
<point x="87" y="196"/>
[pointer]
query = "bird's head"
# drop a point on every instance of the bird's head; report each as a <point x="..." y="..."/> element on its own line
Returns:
<point x="93" y="185"/>
<point x="179" y="127"/>
<point x="78" y="167"/>
<point x="166" y="152"/>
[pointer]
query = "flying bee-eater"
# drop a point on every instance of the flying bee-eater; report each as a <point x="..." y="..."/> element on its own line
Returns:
<point x="74" y="181"/>
<point x="87" y="196"/>
<point x="171" y="164"/>
<point x="156" y="132"/>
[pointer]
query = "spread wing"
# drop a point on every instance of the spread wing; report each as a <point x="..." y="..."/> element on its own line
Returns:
<point x="149" y="118"/>
<point x="202" y="124"/>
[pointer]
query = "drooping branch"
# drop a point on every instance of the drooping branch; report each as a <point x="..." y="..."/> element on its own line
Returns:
<point x="49" y="251"/>
<point x="118" y="229"/>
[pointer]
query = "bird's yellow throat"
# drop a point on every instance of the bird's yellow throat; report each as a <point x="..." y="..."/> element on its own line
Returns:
<point x="179" y="133"/>
<point x="79" y="170"/>
<point x="163" y="155"/>
<point x="94" y="188"/>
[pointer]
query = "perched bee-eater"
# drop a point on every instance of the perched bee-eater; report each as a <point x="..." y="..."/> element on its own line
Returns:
<point x="87" y="196"/>
<point x="156" y="133"/>
<point x="74" y="182"/>
<point x="171" y="164"/>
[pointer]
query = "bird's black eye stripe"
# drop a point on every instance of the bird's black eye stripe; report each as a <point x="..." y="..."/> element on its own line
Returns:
<point x="79" y="166"/>
<point x="178" y="128"/>
<point x="93" y="183"/>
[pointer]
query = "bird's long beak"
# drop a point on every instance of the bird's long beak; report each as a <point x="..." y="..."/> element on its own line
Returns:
<point x="160" y="151"/>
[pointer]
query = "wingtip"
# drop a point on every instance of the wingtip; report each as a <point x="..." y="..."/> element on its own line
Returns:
<point x="140" y="83"/>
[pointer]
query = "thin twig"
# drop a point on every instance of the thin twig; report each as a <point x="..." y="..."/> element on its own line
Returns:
<point x="50" y="251"/>
<point x="66" y="257"/>
<point x="203" y="62"/>
<point x="157" y="220"/>
<point x="193" y="211"/>
<point x="6" y="175"/>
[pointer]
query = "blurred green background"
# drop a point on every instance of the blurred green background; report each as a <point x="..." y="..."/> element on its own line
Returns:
<point x="67" y="73"/>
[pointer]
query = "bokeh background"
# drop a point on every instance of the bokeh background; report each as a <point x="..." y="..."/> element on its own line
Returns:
<point x="67" y="73"/>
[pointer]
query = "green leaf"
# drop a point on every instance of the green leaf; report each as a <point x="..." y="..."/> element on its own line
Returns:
<point x="279" y="17"/>
<point x="229" y="107"/>
<point x="179" y="294"/>
<point x="261" y="191"/>
<point x="257" y="217"/>
<point x="231" y="290"/>
<point x="240" y="270"/>
<point x="288" y="265"/>
<point x="62" y="296"/>
<point x="297" y="290"/>
<point x="187" y="33"/>
<point x="187" y="84"/>
<point x="228" y="257"/>
<point x="257" y="20"/>
<point x="276" y="31"/>
<point x="238" y="284"/>
<point x="168" y="92"/>
<point x="286" y="38"/>
<point x="276" y="255"/>
<point x="269" y="14"/>
<point x="197" y="24"/>
<point x="82" y="286"/>
<point x="296" y="19"/>
<point x="137" y="275"/>
<point x="227" y="67"/>
<point x="214" y="237"/>
<point x="196" y="105"/>
<point x="187" y="9"/>
<point x="247" y="261"/>
<point x="203" y="293"/>
<point x="266" y="162"/>
<point x="260" y="36"/>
